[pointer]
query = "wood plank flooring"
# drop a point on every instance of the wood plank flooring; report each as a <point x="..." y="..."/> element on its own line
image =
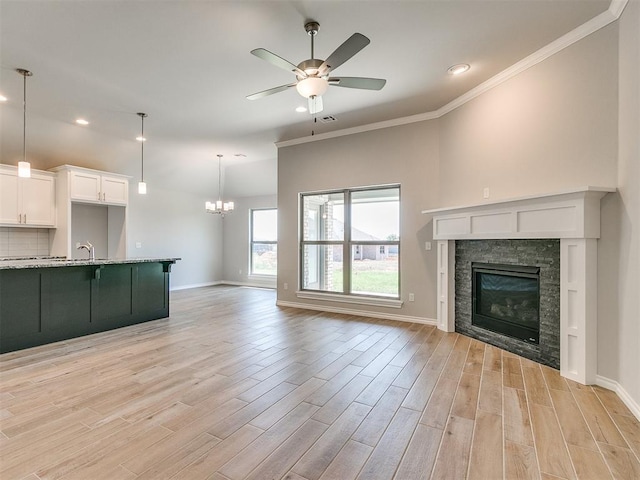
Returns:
<point x="233" y="387"/>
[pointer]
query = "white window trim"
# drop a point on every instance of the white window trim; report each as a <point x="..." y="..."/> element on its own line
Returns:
<point x="354" y="299"/>
<point x="250" y="274"/>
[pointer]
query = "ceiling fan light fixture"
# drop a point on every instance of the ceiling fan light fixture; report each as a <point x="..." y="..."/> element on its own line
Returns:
<point x="458" y="69"/>
<point x="312" y="87"/>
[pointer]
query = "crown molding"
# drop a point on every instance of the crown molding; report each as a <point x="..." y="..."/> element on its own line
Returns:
<point x="616" y="7"/>
<point x="421" y="117"/>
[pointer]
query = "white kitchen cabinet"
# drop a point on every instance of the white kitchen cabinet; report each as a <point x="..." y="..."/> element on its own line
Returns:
<point x="27" y="202"/>
<point x="92" y="205"/>
<point x="95" y="187"/>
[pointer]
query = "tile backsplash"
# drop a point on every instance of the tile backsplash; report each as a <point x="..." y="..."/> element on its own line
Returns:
<point x="24" y="242"/>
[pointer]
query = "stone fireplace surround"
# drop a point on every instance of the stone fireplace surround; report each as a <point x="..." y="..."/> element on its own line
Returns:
<point x="571" y="216"/>
<point x="542" y="253"/>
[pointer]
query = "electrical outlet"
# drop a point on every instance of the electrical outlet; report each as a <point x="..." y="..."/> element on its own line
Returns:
<point x="138" y="244"/>
<point x="427" y="245"/>
<point x="240" y="272"/>
<point x="411" y="297"/>
<point x="485" y="192"/>
<point x="286" y="286"/>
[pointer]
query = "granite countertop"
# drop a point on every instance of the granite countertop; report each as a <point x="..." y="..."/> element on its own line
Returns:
<point x="48" y="262"/>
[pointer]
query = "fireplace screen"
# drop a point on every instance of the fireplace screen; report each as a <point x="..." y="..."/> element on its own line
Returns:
<point x="506" y="299"/>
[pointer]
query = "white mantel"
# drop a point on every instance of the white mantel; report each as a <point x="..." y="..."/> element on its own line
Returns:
<point x="573" y="216"/>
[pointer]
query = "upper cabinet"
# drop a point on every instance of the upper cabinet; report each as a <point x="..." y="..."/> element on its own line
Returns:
<point x="91" y="186"/>
<point x="92" y="205"/>
<point x="27" y="202"/>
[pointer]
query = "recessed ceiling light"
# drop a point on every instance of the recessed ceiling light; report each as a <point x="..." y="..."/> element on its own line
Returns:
<point x="82" y="121"/>
<point x="301" y="109"/>
<point x="458" y="69"/>
<point x="3" y="98"/>
<point x="141" y="139"/>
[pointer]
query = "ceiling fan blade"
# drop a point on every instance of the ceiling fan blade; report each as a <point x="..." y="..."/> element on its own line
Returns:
<point x="271" y="91"/>
<point x="280" y="62"/>
<point x="344" y="52"/>
<point x="358" y="82"/>
<point x="315" y="104"/>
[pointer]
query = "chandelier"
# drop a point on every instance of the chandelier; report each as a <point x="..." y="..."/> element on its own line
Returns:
<point x="219" y="207"/>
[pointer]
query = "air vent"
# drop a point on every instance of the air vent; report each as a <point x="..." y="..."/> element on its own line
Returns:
<point x="328" y="119"/>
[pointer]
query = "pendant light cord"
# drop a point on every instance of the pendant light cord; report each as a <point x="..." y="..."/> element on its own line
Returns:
<point x="25" y="73"/>
<point x="24" y="119"/>
<point x="219" y="178"/>
<point x="142" y="151"/>
<point x="142" y="140"/>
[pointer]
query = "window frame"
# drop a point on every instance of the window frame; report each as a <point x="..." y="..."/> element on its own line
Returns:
<point x="348" y="244"/>
<point x="253" y="242"/>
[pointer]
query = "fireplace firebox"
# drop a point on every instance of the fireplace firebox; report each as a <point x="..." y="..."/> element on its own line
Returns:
<point x="506" y="299"/>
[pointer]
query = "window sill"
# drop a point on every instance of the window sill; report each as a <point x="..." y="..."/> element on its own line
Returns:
<point x="258" y="276"/>
<point x="356" y="299"/>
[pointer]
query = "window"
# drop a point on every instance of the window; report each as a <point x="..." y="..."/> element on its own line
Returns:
<point x="264" y="242"/>
<point x="351" y="242"/>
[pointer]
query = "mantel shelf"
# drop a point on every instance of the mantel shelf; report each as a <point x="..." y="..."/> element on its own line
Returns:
<point x="569" y="214"/>
<point x="498" y="203"/>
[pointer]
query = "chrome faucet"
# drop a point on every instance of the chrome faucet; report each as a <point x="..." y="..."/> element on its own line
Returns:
<point x="90" y="249"/>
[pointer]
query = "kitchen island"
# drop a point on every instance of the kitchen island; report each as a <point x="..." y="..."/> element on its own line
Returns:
<point x="50" y="299"/>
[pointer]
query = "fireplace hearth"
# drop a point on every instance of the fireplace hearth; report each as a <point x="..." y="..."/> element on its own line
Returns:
<point x="506" y="300"/>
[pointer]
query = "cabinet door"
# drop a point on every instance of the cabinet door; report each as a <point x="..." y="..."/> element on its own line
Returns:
<point x="38" y="201"/>
<point x="85" y="187"/>
<point x="115" y="190"/>
<point x="8" y="198"/>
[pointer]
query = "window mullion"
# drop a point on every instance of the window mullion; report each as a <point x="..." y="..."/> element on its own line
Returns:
<point x="346" y="247"/>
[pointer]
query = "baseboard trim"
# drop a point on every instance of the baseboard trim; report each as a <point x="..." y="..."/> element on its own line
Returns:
<point x="249" y="284"/>
<point x="609" y="384"/>
<point x="361" y="313"/>
<point x="194" y="285"/>
<point x="222" y="282"/>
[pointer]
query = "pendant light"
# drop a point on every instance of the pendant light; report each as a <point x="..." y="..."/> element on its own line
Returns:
<point x="219" y="207"/>
<point x="142" y="186"/>
<point x="24" y="167"/>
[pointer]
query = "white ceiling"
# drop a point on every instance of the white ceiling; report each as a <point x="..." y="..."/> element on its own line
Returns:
<point x="187" y="65"/>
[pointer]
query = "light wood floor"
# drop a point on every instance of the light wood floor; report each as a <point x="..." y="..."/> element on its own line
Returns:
<point x="232" y="387"/>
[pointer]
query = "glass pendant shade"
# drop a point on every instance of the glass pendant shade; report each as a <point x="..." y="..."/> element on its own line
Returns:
<point x="24" y="169"/>
<point x="142" y="188"/>
<point x="312" y="86"/>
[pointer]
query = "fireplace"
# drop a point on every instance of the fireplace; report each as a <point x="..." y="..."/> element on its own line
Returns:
<point x="507" y="294"/>
<point x="568" y="277"/>
<point x="506" y="300"/>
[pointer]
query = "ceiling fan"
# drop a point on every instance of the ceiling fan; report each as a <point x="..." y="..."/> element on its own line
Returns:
<point x="312" y="75"/>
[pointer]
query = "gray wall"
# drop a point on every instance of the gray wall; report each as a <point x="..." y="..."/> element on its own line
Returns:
<point x="620" y="353"/>
<point x="171" y="223"/>
<point x="550" y="128"/>
<point x="569" y="121"/>
<point x="236" y="241"/>
<point x="406" y="155"/>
